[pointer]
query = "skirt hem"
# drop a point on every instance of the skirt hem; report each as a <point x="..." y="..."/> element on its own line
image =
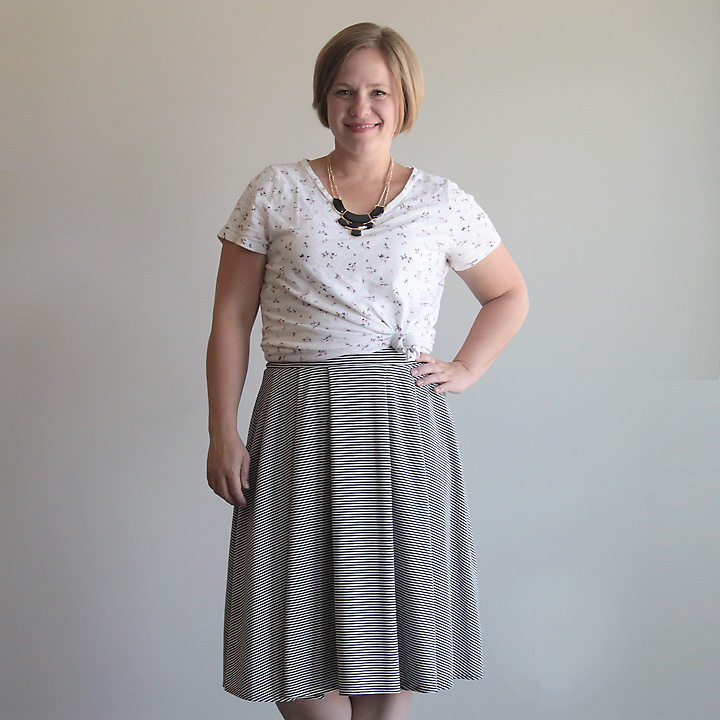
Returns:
<point x="320" y="693"/>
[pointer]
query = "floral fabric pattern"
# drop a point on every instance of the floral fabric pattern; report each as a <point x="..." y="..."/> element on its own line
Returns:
<point x="326" y="293"/>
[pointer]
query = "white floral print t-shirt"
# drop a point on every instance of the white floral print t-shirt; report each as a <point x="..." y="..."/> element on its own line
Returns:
<point x="326" y="293"/>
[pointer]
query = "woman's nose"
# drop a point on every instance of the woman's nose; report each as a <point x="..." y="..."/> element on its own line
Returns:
<point x="360" y="106"/>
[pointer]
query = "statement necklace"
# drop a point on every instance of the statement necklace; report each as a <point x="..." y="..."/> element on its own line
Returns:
<point x="358" y="223"/>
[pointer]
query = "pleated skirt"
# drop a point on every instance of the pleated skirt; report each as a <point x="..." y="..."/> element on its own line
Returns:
<point x="353" y="566"/>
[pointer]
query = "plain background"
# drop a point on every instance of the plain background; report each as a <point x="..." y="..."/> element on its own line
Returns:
<point x="586" y="130"/>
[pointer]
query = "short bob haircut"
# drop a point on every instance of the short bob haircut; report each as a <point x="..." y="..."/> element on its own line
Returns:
<point x="400" y="59"/>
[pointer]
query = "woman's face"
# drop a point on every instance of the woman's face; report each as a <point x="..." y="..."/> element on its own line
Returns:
<point x="363" y="104"/>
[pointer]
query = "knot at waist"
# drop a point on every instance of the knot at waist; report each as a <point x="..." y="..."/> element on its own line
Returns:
<point x="407" y="343"/>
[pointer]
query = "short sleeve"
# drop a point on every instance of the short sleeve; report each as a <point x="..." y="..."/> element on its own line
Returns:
<point x="473" y="235"/>
<point x="248" y="222"/>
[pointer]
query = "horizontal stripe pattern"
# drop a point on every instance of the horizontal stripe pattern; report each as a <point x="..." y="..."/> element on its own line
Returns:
<point x="352" y="568"/>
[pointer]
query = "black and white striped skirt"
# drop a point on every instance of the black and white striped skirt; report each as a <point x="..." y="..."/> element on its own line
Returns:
<point x="352" y="568"/>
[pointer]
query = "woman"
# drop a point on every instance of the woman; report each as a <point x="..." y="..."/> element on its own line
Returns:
<point x="352" y="576"/>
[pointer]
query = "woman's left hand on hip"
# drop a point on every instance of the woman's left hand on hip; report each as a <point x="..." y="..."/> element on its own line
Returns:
<point x="451" y="377"/>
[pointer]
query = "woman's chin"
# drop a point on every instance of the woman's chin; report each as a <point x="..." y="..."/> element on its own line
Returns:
<point x="360" y="143"/>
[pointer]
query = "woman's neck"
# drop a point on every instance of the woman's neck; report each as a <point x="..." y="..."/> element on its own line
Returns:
<point x="359" y="167"/>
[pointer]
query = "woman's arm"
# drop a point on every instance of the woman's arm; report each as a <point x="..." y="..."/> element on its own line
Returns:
<point x="237" y="298"/>
<point x="499" y="287"/>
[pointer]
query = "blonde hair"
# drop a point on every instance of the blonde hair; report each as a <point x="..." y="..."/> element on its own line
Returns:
<point x="399" y="57"/>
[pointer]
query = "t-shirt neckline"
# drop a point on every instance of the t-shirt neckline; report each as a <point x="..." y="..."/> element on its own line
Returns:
<point x="305" y="163"/>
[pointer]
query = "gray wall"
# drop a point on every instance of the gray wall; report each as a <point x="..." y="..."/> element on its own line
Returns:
<point x="587" y="130"/>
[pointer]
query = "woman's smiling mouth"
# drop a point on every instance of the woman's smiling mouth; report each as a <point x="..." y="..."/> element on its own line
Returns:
<point x="361" y="127"/>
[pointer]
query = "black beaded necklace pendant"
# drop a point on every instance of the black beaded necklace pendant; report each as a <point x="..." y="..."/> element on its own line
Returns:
<point x="353" y="221"/>
<point x="356" y="223"/>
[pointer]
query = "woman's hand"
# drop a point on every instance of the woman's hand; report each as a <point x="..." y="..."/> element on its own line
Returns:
<point x="451" y="377"/>
<point x="228" y="468"/>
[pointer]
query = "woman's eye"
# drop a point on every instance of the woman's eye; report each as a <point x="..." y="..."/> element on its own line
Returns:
<point x="379" y="93"/>
<point x="342" y="92"/>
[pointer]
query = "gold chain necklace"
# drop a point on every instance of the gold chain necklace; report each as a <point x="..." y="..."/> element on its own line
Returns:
<point x="357" y="223"/>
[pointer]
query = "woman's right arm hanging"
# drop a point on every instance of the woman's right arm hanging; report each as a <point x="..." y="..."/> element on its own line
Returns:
<point x="237" y="298"/>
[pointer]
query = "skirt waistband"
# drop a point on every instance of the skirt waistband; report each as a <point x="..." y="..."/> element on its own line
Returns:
<point x="384" y="355"/>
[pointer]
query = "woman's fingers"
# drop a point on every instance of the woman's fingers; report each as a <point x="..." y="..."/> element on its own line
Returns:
<point x="426" y="368"/>
<point x="245" y="473"/>
<point x="228" y="475"/>
<point x="446" y="377"/>
<point x="229" y="489"/>
<point x="228" y="468"/>
<point x="429" y="372"/>
<point x="235" y="491"/>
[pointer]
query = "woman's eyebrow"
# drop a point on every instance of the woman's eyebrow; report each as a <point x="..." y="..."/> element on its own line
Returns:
<point x="344" y="84"/>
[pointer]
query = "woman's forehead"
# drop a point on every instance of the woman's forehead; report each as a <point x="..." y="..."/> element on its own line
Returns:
<point x="367" y="65"/>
